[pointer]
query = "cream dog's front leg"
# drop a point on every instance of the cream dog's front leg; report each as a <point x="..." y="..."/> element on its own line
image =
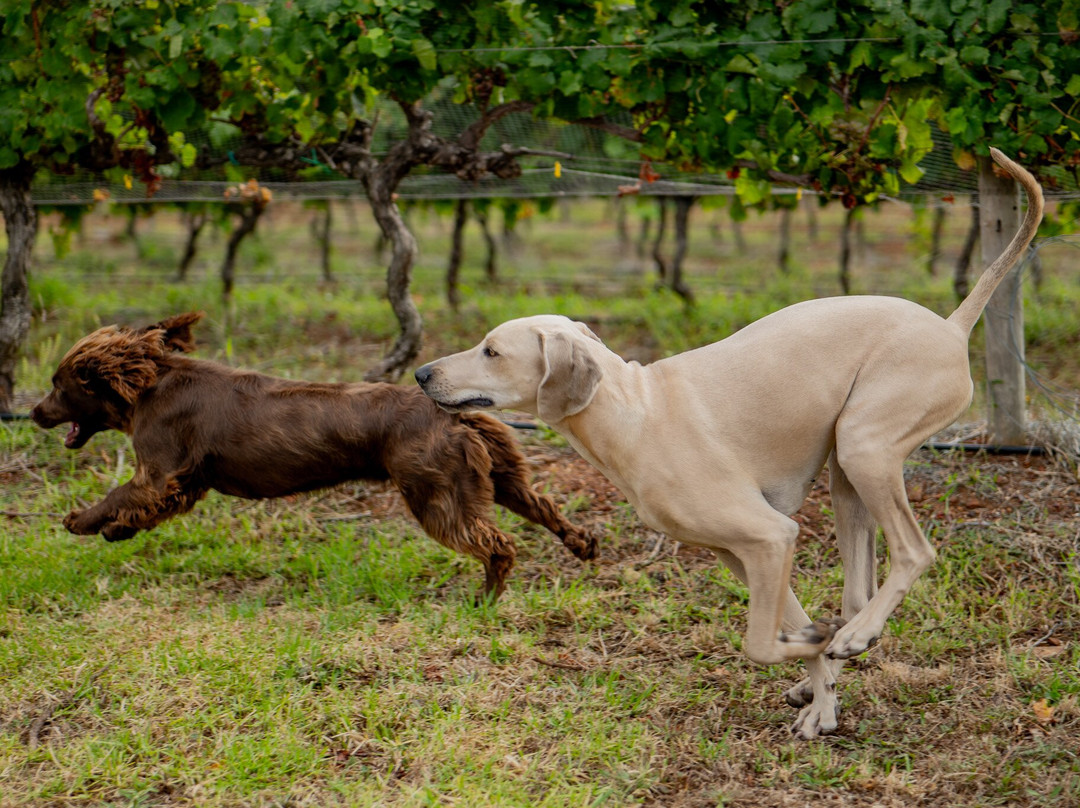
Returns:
<point x="821" y="708"/>
<point x="758" y="543"/>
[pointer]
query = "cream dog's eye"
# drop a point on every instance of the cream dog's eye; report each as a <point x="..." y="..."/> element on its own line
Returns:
<point x="488" y="352"/>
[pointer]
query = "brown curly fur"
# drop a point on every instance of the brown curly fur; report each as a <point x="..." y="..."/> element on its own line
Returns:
<point x="197" y="425"/>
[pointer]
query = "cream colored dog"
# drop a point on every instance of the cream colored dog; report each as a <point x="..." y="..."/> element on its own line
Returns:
<point x="718" y="446"/>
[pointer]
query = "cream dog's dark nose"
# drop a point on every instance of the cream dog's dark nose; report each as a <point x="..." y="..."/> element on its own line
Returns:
<point x="423" y="375"/>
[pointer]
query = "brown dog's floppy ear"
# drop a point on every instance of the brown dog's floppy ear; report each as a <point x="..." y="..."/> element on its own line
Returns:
<point x="570" y="380"/>
<point x="114" y="359"/>
<point x="178" y="331"/>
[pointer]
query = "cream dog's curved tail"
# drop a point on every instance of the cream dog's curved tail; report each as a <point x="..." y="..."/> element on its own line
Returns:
<point x="967" y="313"/>
<point x="719" y="446"/>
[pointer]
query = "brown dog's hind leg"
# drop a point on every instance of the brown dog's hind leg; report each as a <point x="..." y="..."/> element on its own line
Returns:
<point x="513" y="492"/>
<point x="512" y="489"/>
<point x="496" y="570"/>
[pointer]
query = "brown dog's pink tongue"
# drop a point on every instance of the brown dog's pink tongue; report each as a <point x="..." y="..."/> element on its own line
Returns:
<point x="72" y="434"/>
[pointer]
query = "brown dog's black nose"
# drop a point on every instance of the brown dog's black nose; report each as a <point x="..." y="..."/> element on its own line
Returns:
<point x="423" y="375"/>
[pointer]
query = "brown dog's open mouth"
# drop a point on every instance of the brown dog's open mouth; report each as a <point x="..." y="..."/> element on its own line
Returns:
<point x="79" y="432"/>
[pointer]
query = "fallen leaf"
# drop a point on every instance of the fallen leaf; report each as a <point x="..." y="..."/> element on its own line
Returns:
<point x="1044" y="711"/>
<point x="1048" y="651"/>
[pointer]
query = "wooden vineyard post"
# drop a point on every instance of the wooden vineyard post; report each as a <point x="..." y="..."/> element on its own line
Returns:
<point x="999" y="219"/>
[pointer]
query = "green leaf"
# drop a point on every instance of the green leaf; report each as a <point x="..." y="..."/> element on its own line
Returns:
<point x="956" y="121"/>
<point x="752" y="191"/>
<point x="683" y="15"/>
<point x="569" y="82"/>
<point x="188" y="153"/>
<point x="741" y="64"/>
<point x="908" y="68"/>
<point x="997" y="14"/>
<point x="975" y="54"/>
<point x="783" y="74"/>
<point x="176" y="111"/>
<point x="425" y="53"/>
<point x="381" y="44"/>
<point x="860" y="55"/>
<point x="916" y="122"/>
<point x="810" y="17"/>
<point x="8" y="157"/>
<point x="538" y="83"/>
<point x="910" y="172"/>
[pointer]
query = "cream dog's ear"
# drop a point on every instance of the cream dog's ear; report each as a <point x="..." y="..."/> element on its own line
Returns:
<point x="570" y="377"/>
<point x="584" y="329"/>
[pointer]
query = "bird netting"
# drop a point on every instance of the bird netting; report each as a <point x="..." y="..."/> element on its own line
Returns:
<point x="597" y="163"/>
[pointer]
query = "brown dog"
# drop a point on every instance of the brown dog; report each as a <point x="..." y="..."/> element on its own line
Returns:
<point x="197" y="425"/>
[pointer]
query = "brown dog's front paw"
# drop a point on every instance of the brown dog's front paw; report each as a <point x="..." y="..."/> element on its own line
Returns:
<point x="115" y="532"/>
<point x="77" y="522"/>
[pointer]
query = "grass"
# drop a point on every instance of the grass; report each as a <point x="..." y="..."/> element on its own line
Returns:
<point x="320" y="650"/>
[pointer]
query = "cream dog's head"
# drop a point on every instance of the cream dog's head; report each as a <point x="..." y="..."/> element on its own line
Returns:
<point x="538" y="364"/>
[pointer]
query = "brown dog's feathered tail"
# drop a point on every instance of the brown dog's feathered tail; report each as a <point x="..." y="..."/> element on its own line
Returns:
<point x="967" y="313"/>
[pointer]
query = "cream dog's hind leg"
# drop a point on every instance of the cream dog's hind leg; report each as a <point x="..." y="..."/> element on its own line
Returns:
<point x="856" y="539"/>
<point x="872" y="460"/>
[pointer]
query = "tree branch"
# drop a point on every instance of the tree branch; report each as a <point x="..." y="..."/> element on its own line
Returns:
<point x="95" y="122"/>
<point x="804" y="180"/>
<point x="873" y="119"/>
<point x="625" y="132"/>
<point x="474" y="133"/>
<point x="516" y="151"/>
